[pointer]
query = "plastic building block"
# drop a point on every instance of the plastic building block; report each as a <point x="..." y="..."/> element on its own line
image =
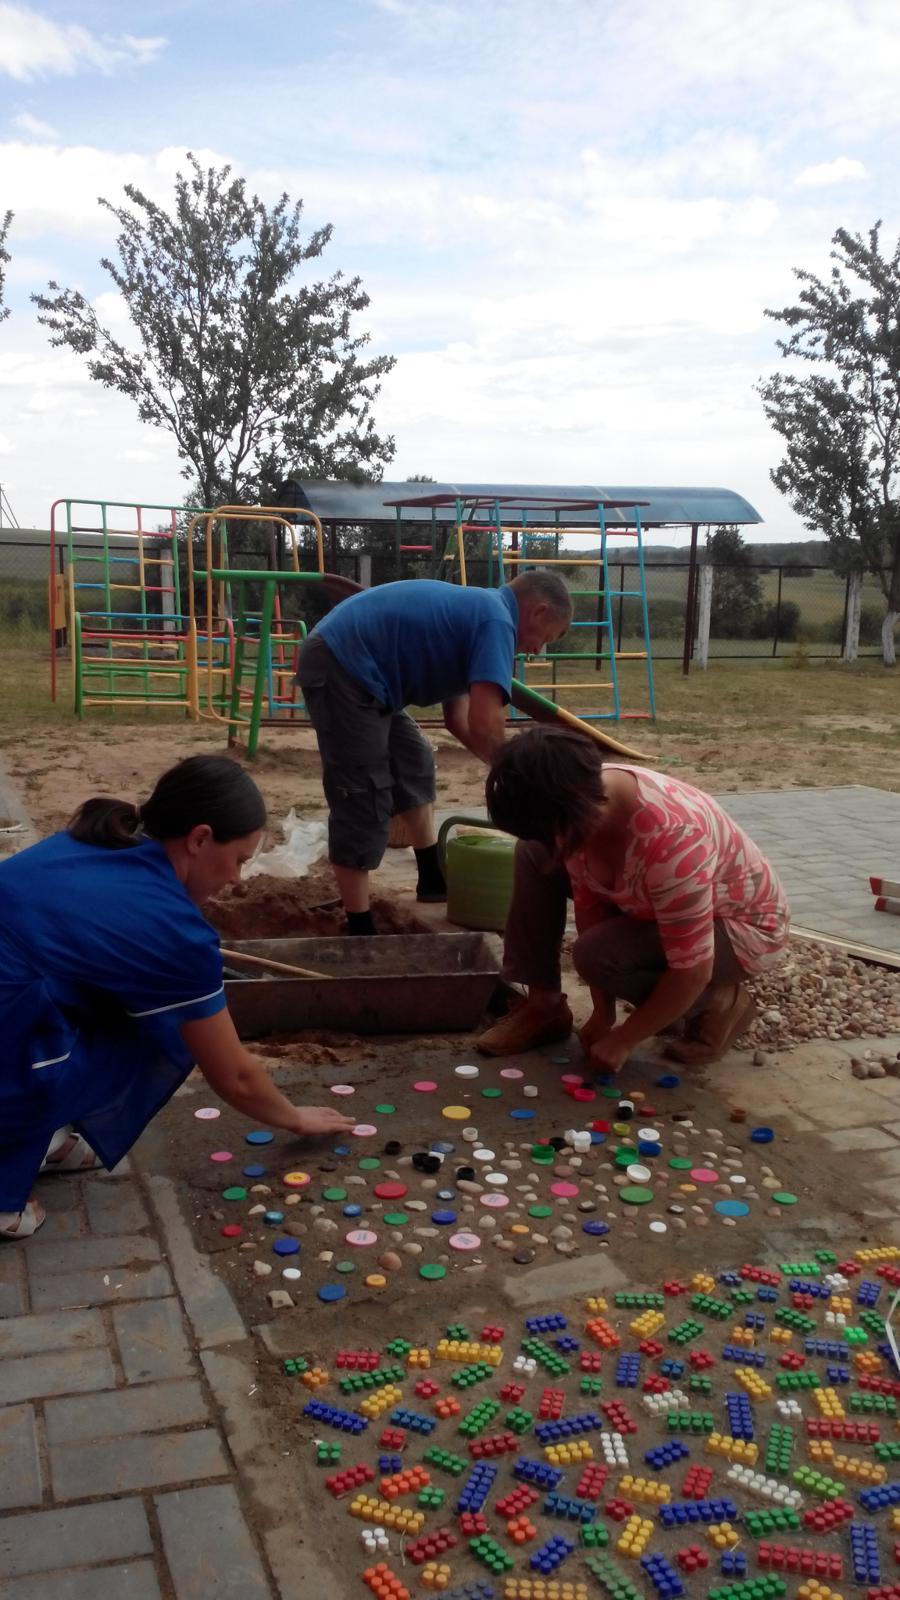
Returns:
<point x="401" y="1418"/>
<point x="472" y="1591"/>
<point x="692" y="1558"/>
<point x="327" y="1454"/>
<point x="477" y="1487"/>
<point x="618" y="1417"/>
<point x="447" y="1406"/>
<point x="435" y="1575"/>
<point x="409" y="1480"/>
<point x="446" y="1461"/>
<point x="488" y="1551"/>
<point x="512" y="1392"/>
<point x="751" y="1589"/>
<point x="614" y="1451"/>
<point x="496" y="1444"/>
<point x="733" y="1564"/>
<point x="333" y="1417"/>
<point x="351" y="1478"/>
<point x="665" y="1455"/>
<point x="648" y="1323"/>
<point x="476" y="1420"/>
<point x="295" y="1365"/>
<point x="779" y="1447"/>
<point x="384" y="1583"/>
<point x="574" y="1427"/>
<point x="430" y="1545"/>
<point x="610" y="1575"/>
<point x="690" y="1422"/>
<point x="635" y="1536"/>
<point x="537" y="1473"/>
<point x="468" y="1350"/>
<point x="590" y="1386"/>
<point x="696" y="1483"/>
<point x="823" y="1519"/>
<point x="524" y="1588"/>
<point x="790" y="1558"/>
<point x="551" y="1404"/>
<point x="602" y="1333"/>
<point x="708" y="1307"/>
<point x="679" y="1513"/>
<point x="382" y="1400"/>
<point x="517" y="1501"/>
<point x="518" y="1420"/>
<point x="758" y="1483"/>
<point x="426" y="1388"/>
<point x="390" y="1463"/>
<point x="569" y="1452"/>
<point x="472" y="1523"/>
<point x="646" y="1491"/>
<point x="475" y="1373"/>
<point x="663" y="1577"/>
<point x="546" y="1358"/>
<point x="777" y="1520"/>
<point x="686" y="1331"/>
<point x="521" y="1529"/>
<point x="740" y="1416"/>
<point x="876" y="1499"/>
<point x="817" y="1482"/>
<point x="722" y="1536"/>
<point x="659" y="1405"/>
<point x="431" y="1498"/>
<point x="864" y="1557"/>
<point x="374" y="1540"/>
<point x="628" y="1368"/>
<point x="722" y="1444"/>
<point x="572" y="1509"/>
<point x="370" y="1509"/>
<point x="547" y="1324"/>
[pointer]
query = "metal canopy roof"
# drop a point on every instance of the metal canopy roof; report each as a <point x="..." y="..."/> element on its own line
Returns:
<point x="377" y="502"/>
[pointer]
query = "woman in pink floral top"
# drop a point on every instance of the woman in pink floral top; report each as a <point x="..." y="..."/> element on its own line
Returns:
<point x="674" y="904"/>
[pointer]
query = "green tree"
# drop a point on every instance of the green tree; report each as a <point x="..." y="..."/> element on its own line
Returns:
<point x="4" y="260"/>
<point x="737" y="586"/>
<point x="841" y="423"/>
<point x="254" y="371"/>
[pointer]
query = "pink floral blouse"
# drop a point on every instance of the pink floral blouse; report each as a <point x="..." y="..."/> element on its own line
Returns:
<point x="687" y="865"/>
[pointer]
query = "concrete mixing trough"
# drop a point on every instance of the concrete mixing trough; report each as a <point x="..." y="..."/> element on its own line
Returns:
<point x="400" y="983"/>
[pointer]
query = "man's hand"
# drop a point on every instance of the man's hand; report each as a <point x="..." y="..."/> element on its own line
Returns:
<point x="311" y="1120"/>
<point x="609" y="1052"/>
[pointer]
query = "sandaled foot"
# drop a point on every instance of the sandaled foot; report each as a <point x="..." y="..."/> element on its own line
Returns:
<point x="22" y="1224"/>
<point x="526" y="1028"/>
<point x="711" y="1033"/>
<point x="68" y="1152"/>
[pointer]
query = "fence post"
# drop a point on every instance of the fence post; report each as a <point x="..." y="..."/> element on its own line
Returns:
<point x="704" y="610"/>
<point x="365" y="569"/>
<point x="777" y="628"/>
<point x="852" y="612"/>
<point x="690" y="604"/>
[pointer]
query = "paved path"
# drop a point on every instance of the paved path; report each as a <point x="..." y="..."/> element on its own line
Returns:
<point x="825" y="843"/>
<point x="121" y="1407"/>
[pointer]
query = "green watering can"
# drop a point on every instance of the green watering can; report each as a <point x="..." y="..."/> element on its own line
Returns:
<point x="479" y="874"/>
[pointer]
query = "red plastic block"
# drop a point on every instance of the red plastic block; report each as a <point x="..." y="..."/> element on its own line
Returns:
<point x="384" y="1583"/>
<point x="650" y="1348"/>
<point x="762" y="1275"/>
<point x="512" y="1392"/>
<point x="848" y="1268"/>
<point x="409" y="1481"/>
<point x="619" y="1509"/>
<point x="841" y="1428"/>
<point x="392" y="1438"/>
<point x="618" y="1417"/>
<point x="492" y="1333"/>
<point x="890" y="1274"/>
<point x="674" y="1286"/>
<point x="793" y="1360"/>
<point x="890" y="1591"/>
<point x="472" y="1523"/>
<point x="590" y="1361"/>
<point x="700" y="1360"/>
<point x="822" y="1519"/>
<point x="656" y="1384"/>
<point x="696" y="1482"/>
<point x="590" y="1484"/>
<point x="516" y="1501"/>
<point x="426" y="1388"/>
<point x="809" y="1563"/>
<point x="692" y="1558"/>
<point x="879" y="1385"/>
<point x="358" y="1360"/>
<point x="550" y="1406"/>
<point x="349" y="1478"/>
<point x="431" y="1545"/>
<point x="496" y="1444"/>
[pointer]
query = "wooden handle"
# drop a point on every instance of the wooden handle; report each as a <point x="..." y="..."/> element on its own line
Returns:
<point x="275" y="966"/>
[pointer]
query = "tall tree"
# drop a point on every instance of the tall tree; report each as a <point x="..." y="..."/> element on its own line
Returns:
<point x="4" y="260"/>
<point x="841" y="423"/>
<point x="737" y="587"/>
<point x="254" y="371"/>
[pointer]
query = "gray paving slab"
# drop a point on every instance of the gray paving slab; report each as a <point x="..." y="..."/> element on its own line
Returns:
<point x="208" y="1546"/>
<point x="152" y="1341"/>
<point x="135" y="1581"/>
<point x="58" y="1372"/>
<point x="115" y="1207"/>
<point x="825" y="843"/>
<point x="143" y="1461"/>
<point x="146" y="1409"/>
<point x="72" y="1536"/>
<point x="50" y="1330"/>
<point x="52" y="1290"/>
<point x="20" y="1466"/>
<point x="12" y="1282"/>
<point x="76" y="1255"/>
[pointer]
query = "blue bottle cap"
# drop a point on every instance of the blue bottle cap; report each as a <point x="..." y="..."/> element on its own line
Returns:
<point x="254" y="1172"/>
<point x="762" y="1135"/>
<point x="596" y="1229"/>
<point x="260" y="1136"/>
<point x="332" y="1291"/>
<point x="286" y="1247"/>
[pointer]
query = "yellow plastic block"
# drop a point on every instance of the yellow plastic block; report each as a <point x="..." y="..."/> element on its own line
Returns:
<point x="648" y="1323"/>
<point x="744" y="1336"/>
<point x="722" y="1536"/>
<point x="649" y="1491"/>
<point x="884" y="1252"/>
<point x="702" y="1283"/>
<point x="867" y="1472"/>
<point x="635" y="1536"/>
<point x="814" y="1589"/>
<point x="828" y="1402"/>
<point x="418" y="1358"/>
<point x="382" y="1400"/>
<point x="781" y="1335"/>
<point x="468" y="1350"/>
<point x="743" y="1450"/>
<point x="841" y="1302"/>
<point x="564" y="1455"/>
<point x="543" y="1589"/>
<point x="315" y="1377"/>
<point x="595" y="1303"/>
<point x="756" y="1387"/>
<point x="385" y="1515"/>
<point x="435" y="1575"/>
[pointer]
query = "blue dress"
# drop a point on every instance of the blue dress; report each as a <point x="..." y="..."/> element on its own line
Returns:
<point x="103" y="955"/>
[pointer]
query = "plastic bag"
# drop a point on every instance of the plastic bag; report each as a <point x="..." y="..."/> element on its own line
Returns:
<point x="304" y="843"/>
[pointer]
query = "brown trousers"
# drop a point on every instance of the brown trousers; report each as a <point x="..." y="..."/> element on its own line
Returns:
<point x="621" y="955"/>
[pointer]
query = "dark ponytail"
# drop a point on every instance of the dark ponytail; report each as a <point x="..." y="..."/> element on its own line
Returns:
<point x="203" y="789"/>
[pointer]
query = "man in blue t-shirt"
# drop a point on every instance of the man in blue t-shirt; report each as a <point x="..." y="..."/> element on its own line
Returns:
<point x="412" y="643"/>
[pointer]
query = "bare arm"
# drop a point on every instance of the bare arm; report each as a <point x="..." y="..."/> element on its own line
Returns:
<point x="478" y="720"/>
<point x="243" y="1082"/>
<point x="669" y="999"/>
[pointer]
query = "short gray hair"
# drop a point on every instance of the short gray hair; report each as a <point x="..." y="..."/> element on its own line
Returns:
<point x="543" y="588"/>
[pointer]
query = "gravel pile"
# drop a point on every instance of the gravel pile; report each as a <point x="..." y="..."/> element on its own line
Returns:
<point x="815" y="994"/>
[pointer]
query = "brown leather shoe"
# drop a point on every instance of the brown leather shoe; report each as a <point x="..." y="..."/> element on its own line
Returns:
<point x="710" y="1033"/>
<point x="525" y="1028"/>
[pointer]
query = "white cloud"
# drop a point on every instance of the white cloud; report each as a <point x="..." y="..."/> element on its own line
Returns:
<point x="55" y="187"/>
<point x="33" y="126"/>
<point x="842" y="170"/>
<point x="32" y="46"/>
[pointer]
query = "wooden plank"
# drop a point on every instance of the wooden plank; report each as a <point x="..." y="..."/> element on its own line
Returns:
<point x="848" y="947"/>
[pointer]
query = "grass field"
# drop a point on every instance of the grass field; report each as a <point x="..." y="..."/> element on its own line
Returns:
<point x="740" y="725"/>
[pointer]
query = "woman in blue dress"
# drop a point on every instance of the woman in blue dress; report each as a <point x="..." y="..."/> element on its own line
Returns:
<point x="111" y="984"/>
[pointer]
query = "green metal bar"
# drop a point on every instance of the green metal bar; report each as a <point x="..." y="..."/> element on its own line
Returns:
<point x="259" y="684"/>
<point x="608" y="616"/>
<point x="646" y="616"/>
<point x="238" y="668"/>
<point x="79" y="690"/>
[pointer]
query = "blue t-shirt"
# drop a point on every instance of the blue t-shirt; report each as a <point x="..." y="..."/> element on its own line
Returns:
<point x="421" y="641"/>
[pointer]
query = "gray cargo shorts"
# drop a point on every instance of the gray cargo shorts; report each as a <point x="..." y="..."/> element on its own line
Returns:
<point x="375" y="762"/>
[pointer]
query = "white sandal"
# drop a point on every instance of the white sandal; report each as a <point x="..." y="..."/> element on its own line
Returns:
<point x="78" y="1158"/>
<point x="22" y="1224"/>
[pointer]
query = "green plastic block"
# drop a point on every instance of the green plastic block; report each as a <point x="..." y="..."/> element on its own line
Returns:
<point x="817" y="1483"/>
<point x="888" y="1452"/>
<point x="779" y="1447"/>
<point x="778" y="1520"/>
<point x="327" y="1454"/>
<point x="720" y="1309"/>
<point x="690" y="1422"/>
<point x="549" y="1359"/>
<point x="467" y="1376"/>
<point x="295" y="1365"/>
<point x="801" y="1269"/>
<point x="762" y="1588"/>
<point x="594" y="1536"/>
<point x="790" y="1318"/>
<point x="640" y="1302"/>
<point x="798" y="1380"/>
<point x="491" y="1553"/>
<point x="742" y="1297"/>
<point x="873" y="1323"/>
<point x="517" y="1420"/>
<point x="879" y="1405"/>
<point x="686" y="1331"/>
<point x="398" y="1347"/>
<point x="855" y="1335"/>
<point x="446" y="1461"/>
<point x="476" y="1420"/>
<point x="698" y="1383"/>
<point x="458" y="1332"/>
<point x="356" y="1382"/>
<point x="591" y="1385"/>
<point x="611" y="1576"/>
<point x="826" y="1258"/>
<point x="431" y="1498"/>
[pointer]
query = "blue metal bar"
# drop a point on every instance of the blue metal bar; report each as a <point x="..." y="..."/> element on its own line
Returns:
<point x="608" y="616"/>
<point x="646" y="617"/>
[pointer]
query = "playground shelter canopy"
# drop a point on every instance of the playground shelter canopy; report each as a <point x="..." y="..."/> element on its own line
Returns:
<point x="337" y="502"/>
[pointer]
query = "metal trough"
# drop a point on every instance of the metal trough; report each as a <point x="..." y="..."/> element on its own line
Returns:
<point x="401" y="983"/>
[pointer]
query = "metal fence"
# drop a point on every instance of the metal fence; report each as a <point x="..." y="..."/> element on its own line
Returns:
<point x="759" y="611"/>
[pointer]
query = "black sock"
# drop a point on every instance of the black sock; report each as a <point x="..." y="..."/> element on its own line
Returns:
<point x="360" y="922"/>
<point x="431" y="877"/>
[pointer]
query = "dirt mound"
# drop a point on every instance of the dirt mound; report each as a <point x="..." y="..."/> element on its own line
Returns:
<point x="297" y="908"/>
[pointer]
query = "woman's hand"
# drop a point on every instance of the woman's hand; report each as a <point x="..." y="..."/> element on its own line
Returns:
<point x="610" y="1052"/>
<point x="595" y="1028"/>
<point x="310" y="1120"/>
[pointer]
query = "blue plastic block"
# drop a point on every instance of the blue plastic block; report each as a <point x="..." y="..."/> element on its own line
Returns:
<point x="537" y="1473"/>
<point x="867" y="1293"/>
<point x="864" y="1553"/>
<point x="838" y="1374"/>
<point x="567" y="1428"/>
<point x="672" y="1369"/>
<point x="665" y="1580"/>
<point x="552" y="1554"/>
<point x="679" y="1512"/>
<point x="334" y="1417"/>
<point x="767" y="1293"/>
<point x="743" y="1357"/>
<point x="477" y="1487"/>
<point x="740" y="1416"/>
<point x="390" y="1463"/>
<point x="628" y="1370"/>
<point x="567" y="1345"/>
<point x="734" y="1564"/>
<point x="562" y="1505"/>
<point x="413" y="1420"/>
<point x="665" y="1455"/>
<point x="553" y="1323"/>
<point x="888" y="1494"/>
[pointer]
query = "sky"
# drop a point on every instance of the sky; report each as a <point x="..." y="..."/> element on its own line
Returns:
<point x="570" y="215"/>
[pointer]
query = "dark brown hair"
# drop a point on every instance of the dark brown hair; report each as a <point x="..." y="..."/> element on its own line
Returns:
<point x="203" y="789"/>
<point x="547" y="784"/>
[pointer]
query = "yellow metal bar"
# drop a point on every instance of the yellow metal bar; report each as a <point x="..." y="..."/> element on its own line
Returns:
<point x="561" y="685"/>
<point x="461" y="545"/>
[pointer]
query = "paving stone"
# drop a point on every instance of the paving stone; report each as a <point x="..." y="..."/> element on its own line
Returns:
<point x="63" y="1225"/>
<point x="20" y="1468"/>
<point x="208" y="1546"/>
<point x="115" y="1207"/>
<point x="12" y="1283"/>
<point x="112" y="1466"/>
<point x="152" y="1341"/>
<point x="50" y="1330"/>
<point x="136" y="1581"/>
<point x="210" y="1307"/>
<point x="863" y="1138"/>
<point x="149" y="1408"/>
<point x="58" y="1372"/>
<point x="99" y="1287"/>
<point x="40" y="1541"/>
<point x="80" y="1254"/>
